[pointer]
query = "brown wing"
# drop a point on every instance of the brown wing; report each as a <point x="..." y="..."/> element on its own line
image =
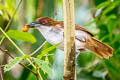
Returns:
<point x="77" y="27"/>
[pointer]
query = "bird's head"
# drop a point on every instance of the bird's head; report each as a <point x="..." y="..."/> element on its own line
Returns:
<point x="42" y="21"/>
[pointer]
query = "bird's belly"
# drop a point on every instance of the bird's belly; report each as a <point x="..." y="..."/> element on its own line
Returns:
<point x="54" y="38"/>
<point x="57" y="38"/>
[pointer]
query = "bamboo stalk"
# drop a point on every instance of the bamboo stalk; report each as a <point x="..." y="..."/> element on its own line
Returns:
<point x="69" y="40"/>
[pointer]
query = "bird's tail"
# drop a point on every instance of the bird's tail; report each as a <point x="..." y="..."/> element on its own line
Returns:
<point x="100" y="49"/>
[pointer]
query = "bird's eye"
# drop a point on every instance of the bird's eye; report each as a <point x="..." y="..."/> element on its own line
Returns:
<point x="44" y="21"/>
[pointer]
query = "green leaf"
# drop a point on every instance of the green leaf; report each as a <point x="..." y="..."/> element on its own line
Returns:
<point x="111" y="6"/>
<point x="47" y="60"/>
<point x="2" y="7"/>
<point x="111" y="66"/>
<point x="117" y="37"/>
<point x="85" y="59"/>
<point x="26" y="56"/>
<point x="12" y="63"/>
<point x="104" y="4"/>
<point x="19" y="35"/>
<point x="43" y="65"/>
<point x="47" y="50"/>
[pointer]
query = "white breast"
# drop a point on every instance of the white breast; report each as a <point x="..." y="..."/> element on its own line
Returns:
<point x="51" y="34"/>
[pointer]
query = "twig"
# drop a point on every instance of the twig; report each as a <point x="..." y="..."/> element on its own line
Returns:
<point x="2" y="66"/>
<point x="38" y="74"/>
<point x="16" y="47"/>
<point x="1" y="74"/>
<point x="5" y="51"/>
<point x="10" y="21"/>
<point x="38" y="48"/>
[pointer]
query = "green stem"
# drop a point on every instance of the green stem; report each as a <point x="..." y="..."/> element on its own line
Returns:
<point x="38" y="48"/>
<point x="10" y="20"/>
<point x="2" y="40"/>
<point x="13" y="15"/>
<point x="39" y="75"/>
<point x="16" y="47"/>
<point x="12" y="42"/>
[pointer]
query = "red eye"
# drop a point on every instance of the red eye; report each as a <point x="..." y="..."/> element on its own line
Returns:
<point x="44" y="21"/>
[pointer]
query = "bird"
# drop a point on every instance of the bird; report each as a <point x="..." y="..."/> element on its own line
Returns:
<point x="53" y="32"/>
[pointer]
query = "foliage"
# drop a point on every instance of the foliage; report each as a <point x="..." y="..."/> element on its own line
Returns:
<point x="47" y="50"/>
<point x="12" y="63"/>
<point x="43" y="65"/>
<point x="108" y="24"/>
<point x="19" y="35"/>
<point x="89" y="67"/>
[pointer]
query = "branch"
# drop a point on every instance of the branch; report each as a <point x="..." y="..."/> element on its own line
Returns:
<point x="5" y="51"/>
<point x="38" y="48"/>
<point x="1" y="75"/>
<point x="69" y="40"/>
<point x="15" y="45"/>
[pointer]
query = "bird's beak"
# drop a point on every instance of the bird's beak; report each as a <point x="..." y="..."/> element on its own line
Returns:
<point x="27" y="26"/>
<point x="32" y="24"/>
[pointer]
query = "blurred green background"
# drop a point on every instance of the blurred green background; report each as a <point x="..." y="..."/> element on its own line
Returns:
<point x="100" y="17"/>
